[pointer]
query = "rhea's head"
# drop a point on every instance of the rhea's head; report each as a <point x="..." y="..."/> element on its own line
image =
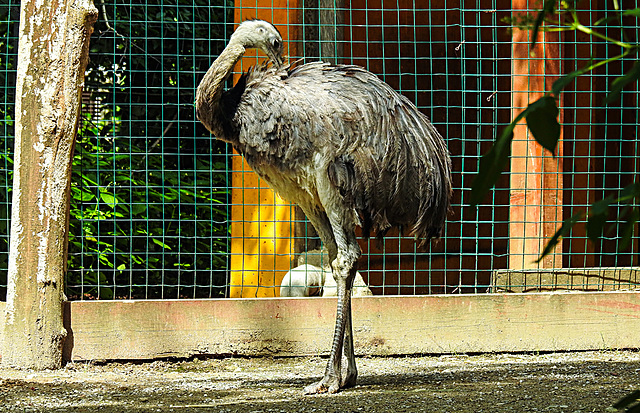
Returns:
<point x="260" y="34"/>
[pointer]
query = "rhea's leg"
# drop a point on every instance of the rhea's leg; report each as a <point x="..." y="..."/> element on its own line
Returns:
<point x="344" y="270"/>
<point x="350" y="376"/>
<point x="321" y="223"/>
<point x="340" y="238"/>
<point x="332" y="380"/>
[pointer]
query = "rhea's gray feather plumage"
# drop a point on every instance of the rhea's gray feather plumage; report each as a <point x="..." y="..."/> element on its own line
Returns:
<point x="392" y="169"/>
<point x="340" y="143"/>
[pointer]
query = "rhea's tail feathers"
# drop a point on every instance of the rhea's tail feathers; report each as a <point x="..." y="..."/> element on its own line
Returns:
<point x="410" y="186"/>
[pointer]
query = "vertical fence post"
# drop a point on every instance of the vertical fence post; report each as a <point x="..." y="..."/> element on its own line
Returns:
<point x="52" y="58"/>
<point x="536" y="177"/>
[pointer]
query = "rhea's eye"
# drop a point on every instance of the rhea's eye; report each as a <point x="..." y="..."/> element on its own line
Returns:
<point x="276" y="44"/>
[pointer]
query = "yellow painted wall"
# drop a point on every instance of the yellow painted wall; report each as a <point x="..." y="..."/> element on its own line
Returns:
<point x="261" y="222"/>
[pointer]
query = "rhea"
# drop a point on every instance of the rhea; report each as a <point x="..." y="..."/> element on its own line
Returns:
<point x="340" y="143"/>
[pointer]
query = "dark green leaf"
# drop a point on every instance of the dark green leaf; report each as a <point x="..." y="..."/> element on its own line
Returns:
<point x="628" y="227"/>
<point x="80" y="195"/>
<point x="542" y="119"/>
<point x="632" y="12"/>
<point x="607" y="19"/>
<point x="106" y="293"/>
<point x="547" y="8"/>
<point x="137" y="209"/>
<point x="601" y="207"/>
<point x="109" y="199"/>
<point x="620" y="82"/>
<point x="630" y="192"/>
<point x="492" y="164"/>
<point x="628" y="400"/>
<point x="563" y="231"/>
<point x="160" y="243"/>
<point x="559" y="85"/>
<point x="597" y="218"/>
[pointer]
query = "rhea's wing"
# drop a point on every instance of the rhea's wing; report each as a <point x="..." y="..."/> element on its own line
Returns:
<point x="384" y="156"/>
<point x="276" y="119"/>
<point x="400" y="161"/>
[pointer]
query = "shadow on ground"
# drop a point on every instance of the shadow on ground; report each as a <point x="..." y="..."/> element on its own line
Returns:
<point x="561" y="382"/>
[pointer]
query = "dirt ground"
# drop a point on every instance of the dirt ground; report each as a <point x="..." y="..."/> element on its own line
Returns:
<point x="559" y="382"/>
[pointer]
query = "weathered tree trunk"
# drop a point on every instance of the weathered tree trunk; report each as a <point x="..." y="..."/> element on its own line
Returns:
<point x="52" y="58"/>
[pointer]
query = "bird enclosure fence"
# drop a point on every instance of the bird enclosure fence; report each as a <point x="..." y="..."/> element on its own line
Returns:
<point x="160" y="209"/>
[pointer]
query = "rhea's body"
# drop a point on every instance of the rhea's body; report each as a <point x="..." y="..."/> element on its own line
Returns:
<point x="340" y="143"/>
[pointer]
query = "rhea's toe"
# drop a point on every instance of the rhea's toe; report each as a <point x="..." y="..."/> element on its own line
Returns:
<point x="323" y="386"/>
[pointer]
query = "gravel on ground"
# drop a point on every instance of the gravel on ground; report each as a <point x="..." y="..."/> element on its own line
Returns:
<point x="557" y="382"/>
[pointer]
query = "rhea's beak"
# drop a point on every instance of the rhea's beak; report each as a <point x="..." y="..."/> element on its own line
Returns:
<point x="274" y="52"/>
<point x="276" y="57"/>
<point x="279" y="59"/>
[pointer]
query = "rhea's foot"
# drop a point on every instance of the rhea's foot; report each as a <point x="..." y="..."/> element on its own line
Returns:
<point x="326" y="385"/>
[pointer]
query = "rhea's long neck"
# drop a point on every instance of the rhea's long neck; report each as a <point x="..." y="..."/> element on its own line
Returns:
<point x="209" y="93"/>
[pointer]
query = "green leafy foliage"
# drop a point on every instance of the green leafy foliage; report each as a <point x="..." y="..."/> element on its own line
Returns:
<point x="8" y="48"/>
<point x="493" y="163"/>
<point x="149" y="194"/>
<point x="632" y="12"/>
<point x="599" y="217"/>
<point x="564" y="81"/>
<point x="565" y="229"/>
<point x="542" y="119"/>
<point x="149" y="191"/>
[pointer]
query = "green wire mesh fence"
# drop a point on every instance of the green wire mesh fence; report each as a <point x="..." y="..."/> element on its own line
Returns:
<point x="155" y="199"/>
<point x="151" y="195"/>
<point x="9" y="15"/>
